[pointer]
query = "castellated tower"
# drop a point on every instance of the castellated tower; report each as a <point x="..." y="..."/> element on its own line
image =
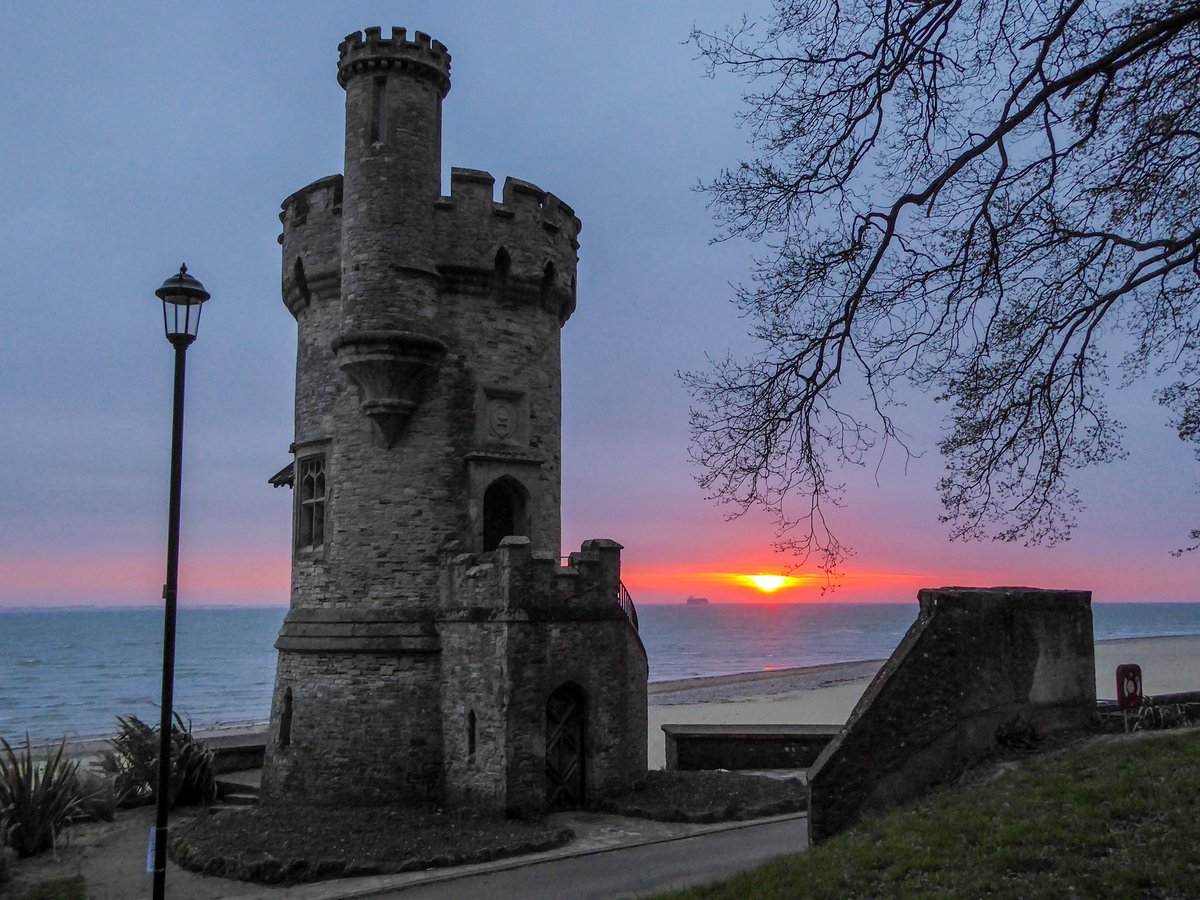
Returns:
<point x="436" y="648"/>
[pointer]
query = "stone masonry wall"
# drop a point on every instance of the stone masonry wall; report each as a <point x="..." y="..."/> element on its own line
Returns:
<point x="476" y="670"/>
<point x="365" y="729"/>
<point x="606" y="660"/>
<point x="979" y="665"/>
<point x="543" y="626"/>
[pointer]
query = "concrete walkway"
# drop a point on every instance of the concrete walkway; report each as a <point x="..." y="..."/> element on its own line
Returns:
<point x="612" y="858"/>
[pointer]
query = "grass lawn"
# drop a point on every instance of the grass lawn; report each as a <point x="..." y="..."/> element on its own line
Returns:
<point x="57" y="889"/>
<point x="1117" y="818"/>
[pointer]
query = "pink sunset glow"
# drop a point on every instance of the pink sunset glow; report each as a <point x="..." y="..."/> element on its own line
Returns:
<point x="221" y="579"/>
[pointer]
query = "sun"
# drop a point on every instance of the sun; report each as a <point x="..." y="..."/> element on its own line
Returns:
<point x="768" y="584"/>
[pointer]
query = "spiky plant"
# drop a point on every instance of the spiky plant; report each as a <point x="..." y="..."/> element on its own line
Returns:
<point x="98" y="798"/>
<point x="36" y="799"/>
<point x="133" y="763"/>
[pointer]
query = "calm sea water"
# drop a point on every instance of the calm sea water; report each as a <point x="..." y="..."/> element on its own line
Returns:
<point x="73" y="671"/>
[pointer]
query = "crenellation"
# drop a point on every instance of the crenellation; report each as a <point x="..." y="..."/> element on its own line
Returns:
<point x="471" y="188"/>
<point x="368" y="50"/>
<point x="535" y="229"/>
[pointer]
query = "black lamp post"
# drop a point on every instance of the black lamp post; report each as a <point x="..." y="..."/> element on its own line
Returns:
<point x="182" y="296"/>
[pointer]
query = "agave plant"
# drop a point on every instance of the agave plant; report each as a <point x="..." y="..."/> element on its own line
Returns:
<point x="36" y="799"/>
<point x="133" y="763"/>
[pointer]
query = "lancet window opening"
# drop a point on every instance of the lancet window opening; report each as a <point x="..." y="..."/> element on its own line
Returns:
<point x="285" y="721"/>
<point x="378" y="109"/>
<point x="500" y="273"/>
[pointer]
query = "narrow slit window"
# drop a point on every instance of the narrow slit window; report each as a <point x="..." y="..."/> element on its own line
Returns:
<point x="471" y="735"/>
<point x="285" y="720"/>
<point x="310" y="531"/>
<point x="500" y="273"/>
<point x="377" y="110"/>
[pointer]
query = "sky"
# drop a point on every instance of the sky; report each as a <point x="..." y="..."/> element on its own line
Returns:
<point x="134" y="136"/>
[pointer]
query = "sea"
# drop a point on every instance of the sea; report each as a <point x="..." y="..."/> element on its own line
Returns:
<point x="73" y="671"/>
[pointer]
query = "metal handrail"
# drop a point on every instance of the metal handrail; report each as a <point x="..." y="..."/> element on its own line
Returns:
<point x="626" y="603"/>
<point x="623" y="599"/>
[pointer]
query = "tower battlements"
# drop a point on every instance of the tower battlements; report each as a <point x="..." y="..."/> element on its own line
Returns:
<point x="370" y="51"/>
<point x="312" y="241"/>
<point x="528" y="241"/>
<point x="474" y="189"/>
<point x="517" y="581"/>
<point x="537" y="232"/>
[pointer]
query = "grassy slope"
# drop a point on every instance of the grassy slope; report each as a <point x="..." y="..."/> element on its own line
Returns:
<point x="1115" y="819"/>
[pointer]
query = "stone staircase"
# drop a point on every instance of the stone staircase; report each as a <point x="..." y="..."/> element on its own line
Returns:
<point x="238" y="789"/>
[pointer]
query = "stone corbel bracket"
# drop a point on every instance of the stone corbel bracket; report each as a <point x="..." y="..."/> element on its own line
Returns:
<point x="389" y="369"/>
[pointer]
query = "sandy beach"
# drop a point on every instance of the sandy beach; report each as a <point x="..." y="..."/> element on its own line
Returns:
<point x="810" y="695"/>
<point x="816" y="695"/>
<point x="821" y="694"/>
<point x="827" y="694"/>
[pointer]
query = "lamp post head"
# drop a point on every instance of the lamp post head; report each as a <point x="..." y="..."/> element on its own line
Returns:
<point x="182" y="296"/>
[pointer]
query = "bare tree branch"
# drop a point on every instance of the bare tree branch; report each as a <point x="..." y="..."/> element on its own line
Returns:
<point x="967" y="197"/>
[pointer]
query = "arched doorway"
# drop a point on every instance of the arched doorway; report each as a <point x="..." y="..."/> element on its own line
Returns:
<point x="504" y="512"/>
<point x="565" y="748"/>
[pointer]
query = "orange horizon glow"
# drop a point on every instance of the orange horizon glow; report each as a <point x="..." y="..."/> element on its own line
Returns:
<point x="758" y="584"/>
<point x="245" y="578"/>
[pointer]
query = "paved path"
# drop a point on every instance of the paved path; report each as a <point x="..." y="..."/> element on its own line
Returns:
<point x="630" y="871"/>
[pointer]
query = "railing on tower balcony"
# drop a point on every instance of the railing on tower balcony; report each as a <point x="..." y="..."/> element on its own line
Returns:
<point x="626" y="602"/>
<point x="623" y="599"/>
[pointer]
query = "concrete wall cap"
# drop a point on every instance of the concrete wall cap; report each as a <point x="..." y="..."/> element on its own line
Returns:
<point x="601" y="544"/>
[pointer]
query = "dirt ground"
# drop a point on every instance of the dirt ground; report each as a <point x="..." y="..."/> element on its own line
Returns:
<point x="111" y="857"/>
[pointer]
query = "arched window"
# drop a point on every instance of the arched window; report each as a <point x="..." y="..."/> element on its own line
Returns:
<point x="504" y="512"/>
<point x="301" y="280"/>
<point x="310" y="502"/>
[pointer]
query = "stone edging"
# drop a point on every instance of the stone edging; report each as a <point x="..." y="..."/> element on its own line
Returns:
<point x="268" y="869"/>
<point x="735" y="812"/>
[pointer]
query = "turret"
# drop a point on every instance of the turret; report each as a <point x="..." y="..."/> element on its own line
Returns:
<point x="388" y="346"/>
<point x="394" y="91"/>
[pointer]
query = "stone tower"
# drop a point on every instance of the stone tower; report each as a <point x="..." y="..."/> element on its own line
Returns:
<point x="435" y="648"/>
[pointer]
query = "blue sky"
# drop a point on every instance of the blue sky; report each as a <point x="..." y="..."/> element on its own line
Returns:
<point x="134" y="136"/>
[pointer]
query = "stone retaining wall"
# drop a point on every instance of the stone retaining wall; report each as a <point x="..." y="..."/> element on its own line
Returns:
<point x="978" y="668"/>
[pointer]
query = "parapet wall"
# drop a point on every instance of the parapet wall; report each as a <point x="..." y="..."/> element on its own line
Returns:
<point x="517" y="580"/>
<point x="538" y="232"/>
<point x="979" y="667"/>
<point x="368" y="51"/>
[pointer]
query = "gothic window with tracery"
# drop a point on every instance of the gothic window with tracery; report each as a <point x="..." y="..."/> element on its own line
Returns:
<point x="310" y="498"/>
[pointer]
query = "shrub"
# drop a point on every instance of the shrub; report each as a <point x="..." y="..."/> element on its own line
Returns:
<point x="1154" y="716"/>
<point x="98" y="798"/>
<point x="36" y="799"/>
<point x="133" y="764"/>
